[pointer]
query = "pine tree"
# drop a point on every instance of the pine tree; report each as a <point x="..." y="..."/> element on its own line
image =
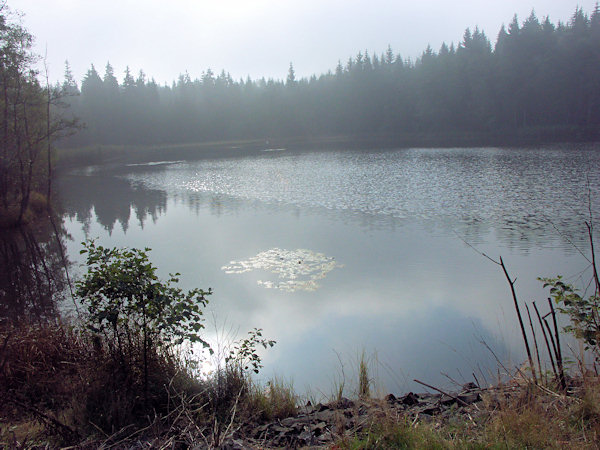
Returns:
<point x="291" y="77"/>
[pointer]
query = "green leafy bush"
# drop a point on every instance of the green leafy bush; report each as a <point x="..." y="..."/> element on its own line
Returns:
<point x="244" y="354"/>
<point x="124" y="297"/>
<point x="138" y="321"/>
<point x="582" y="311"/>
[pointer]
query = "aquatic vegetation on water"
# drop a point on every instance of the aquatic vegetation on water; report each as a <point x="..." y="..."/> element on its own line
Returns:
<point x="298" y="269"/>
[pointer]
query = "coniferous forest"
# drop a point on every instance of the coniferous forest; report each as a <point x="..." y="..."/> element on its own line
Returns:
<point x="538" y="81"/>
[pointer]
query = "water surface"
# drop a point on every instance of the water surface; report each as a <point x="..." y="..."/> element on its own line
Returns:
<point x="336" y="252"/>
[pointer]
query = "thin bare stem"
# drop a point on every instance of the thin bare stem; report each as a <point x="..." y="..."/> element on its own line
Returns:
<point x="559" y="360"/>
<point x="546" y="339"/>
<point x="537" y="351"/>
<point x="525" y="340"/>
<point x="590" y="228"/>
<point x="551" y="340"/>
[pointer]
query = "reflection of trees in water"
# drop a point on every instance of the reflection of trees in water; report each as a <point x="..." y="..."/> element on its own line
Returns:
<point x="33" y="276"/>
<point x="217" y="204"/>
<point x="111" y="198"/>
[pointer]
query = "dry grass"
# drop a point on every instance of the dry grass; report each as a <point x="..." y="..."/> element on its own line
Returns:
<point x="65" y="380"/>
<point x="60" y="386"/>
<point x="511" y="416"/>
<point x="364" y="383"/>
<point x="276" y="400"/>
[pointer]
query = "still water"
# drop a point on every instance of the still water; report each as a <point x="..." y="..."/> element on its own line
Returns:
<point x="333" y="253"/>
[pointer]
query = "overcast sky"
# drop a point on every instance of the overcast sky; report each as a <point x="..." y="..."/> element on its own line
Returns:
<point x="256" y="37"/>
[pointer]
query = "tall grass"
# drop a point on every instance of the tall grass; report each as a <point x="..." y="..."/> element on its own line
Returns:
<point x="364" y="382"/>
<point x="276" y="400"/>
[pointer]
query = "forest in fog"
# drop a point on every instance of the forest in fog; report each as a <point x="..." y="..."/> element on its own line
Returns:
<point x="538" y="79"/>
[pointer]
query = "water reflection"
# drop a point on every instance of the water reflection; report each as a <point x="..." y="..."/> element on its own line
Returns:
<point x="296" y="269"/>
<point x="33" y="277"/>
<point x="111" y="199"/>
<point x="520" y="194"/>
<point x="526" y="197"/>
<point x="409" y="288"/>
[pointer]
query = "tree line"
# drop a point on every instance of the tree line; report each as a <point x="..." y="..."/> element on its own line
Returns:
<point x="537" y="77"/>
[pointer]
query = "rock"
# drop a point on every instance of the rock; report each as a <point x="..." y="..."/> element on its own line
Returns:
<point x="446" y="400"/>
<point x="326" y="415"/>
<point x="294" y="421"/>
<point x="410" y="399"/>
<point x="260" y="431"/>
<point x="428" y="409"/>
<point x="233" y="444"/>
<point x="280" y="429"/>
<point x="321" y="407"/>
<point x="470" y="398"/>
<point x="470" y="386"/>
<point x="344" y="403"/>
<point x="318" y="428"/>
<point x="306" y="438"/>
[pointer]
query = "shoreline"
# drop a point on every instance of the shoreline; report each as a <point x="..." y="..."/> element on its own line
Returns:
<point x="93" y="154"/>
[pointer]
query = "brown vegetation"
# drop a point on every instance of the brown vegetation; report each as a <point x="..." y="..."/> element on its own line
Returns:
<point x="61" y="387"/>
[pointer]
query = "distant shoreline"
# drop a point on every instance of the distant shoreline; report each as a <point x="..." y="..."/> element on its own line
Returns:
<point x="68" y="158"/>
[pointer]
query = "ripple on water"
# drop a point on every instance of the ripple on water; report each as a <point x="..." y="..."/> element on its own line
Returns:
<point x="515" y="189"/>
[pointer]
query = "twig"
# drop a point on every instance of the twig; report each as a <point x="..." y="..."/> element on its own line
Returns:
<point x="482" y="342"/>
<point x="451" y="379"/>
<point x="551" y="337"/>
<point x="557" y="395"/>
<point x="566" y="238"/>
<point x="511" y="282"/>
<point x="442" y="392"/>
<point x="233" y="413"/>
<point x="537" y="351"/>
<point x="476" y="381"/>
<point x="590" y="227"/>
<point x="559" y="362"/>
<point x="546" y="339"/>
<point x="525" y="340"/>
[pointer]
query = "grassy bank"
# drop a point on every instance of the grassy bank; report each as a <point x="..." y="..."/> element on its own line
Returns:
<point x="61" y="386"/>
<point x="514" y="415"/>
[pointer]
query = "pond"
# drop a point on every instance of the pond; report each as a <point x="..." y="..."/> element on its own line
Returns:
<point x="334" y="253"/>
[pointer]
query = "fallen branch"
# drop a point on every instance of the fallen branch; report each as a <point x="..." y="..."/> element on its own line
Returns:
<point x="442" y="392"/>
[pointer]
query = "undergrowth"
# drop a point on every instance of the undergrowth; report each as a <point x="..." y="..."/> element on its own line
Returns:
<point x="61" y="385"/>
<point x="510" y="416"/>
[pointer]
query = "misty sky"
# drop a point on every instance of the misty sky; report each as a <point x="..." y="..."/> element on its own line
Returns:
<point x="256" y="37"/>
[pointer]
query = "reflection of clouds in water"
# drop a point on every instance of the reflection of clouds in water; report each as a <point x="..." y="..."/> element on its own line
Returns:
<point x="297" y="269"/>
